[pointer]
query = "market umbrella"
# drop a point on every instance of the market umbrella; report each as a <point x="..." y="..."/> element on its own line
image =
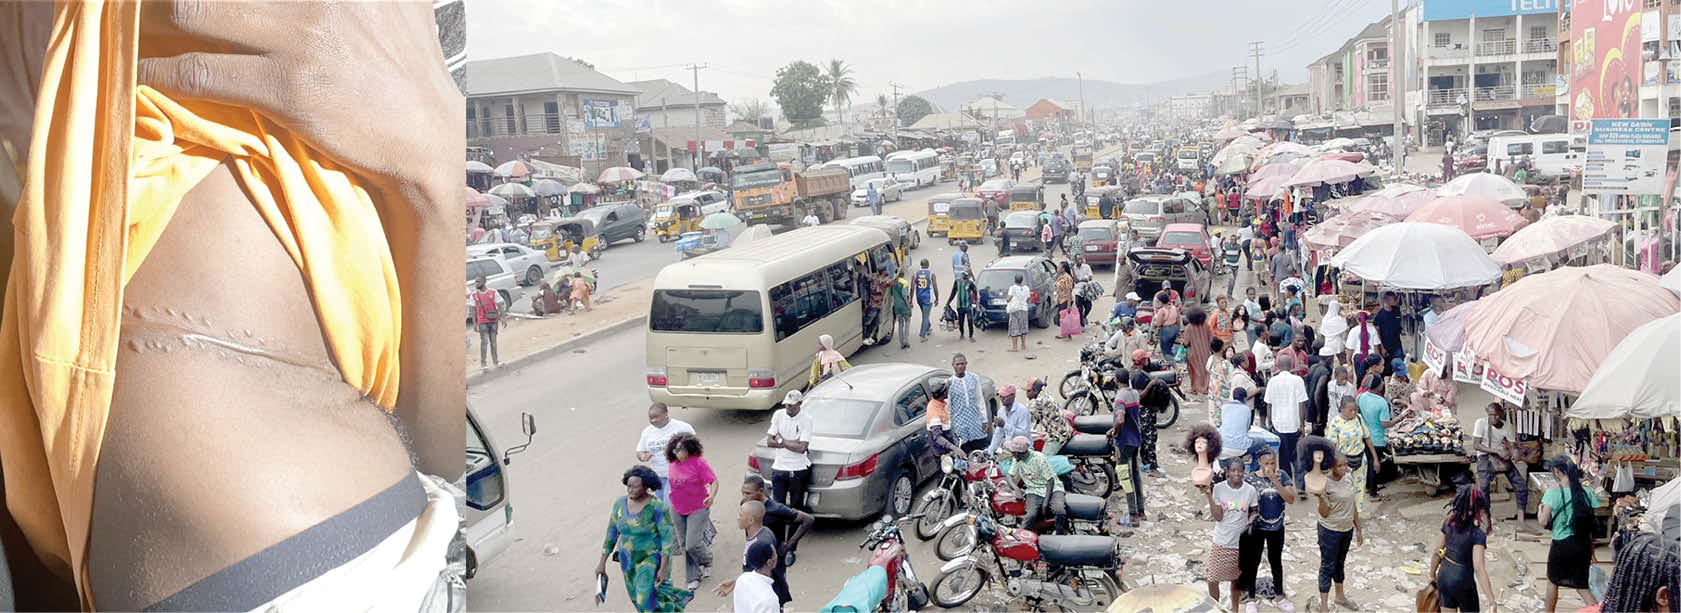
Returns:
<point x="1338" y="143"/>
<point x="494" y="200"/>
<point x="1666" y="499"/>
<point x="474" y="198"/>
<point x="1275" y="168"/>
<point x="1399" y="200"/>
<point x="1477" y="216"/>
<point x="1245" y="150"/>
<point x="1233" y="165"/>
<point x="1554" y="328"/>
<point x="717" y="221"/>
<point x="548" y="187"/>
<point x="1549" y="236"/>
<point x="711" y="172"/>
<point x="1265" y="189"/>
<point x="477" y="167"/>
<point x="1228" y="133"/>
<point x="1248" y="140"/>
<point x="1261" y="135"/>
<point x="1346" y="156"/>
<point x="1284" y="147"/>
<point x="619" y="174"/>
<point x="1418" y="256"/>
<point x="1326" y="172"/>
<point x="1672" y="280"/>
<point x="515" y="169"/>
<point x="513" y="190"/>
<point x="1487" y="185"/>
<point x="1340" y="230"/>
<point x="678" y="174"/>
<point x="1637" y="379"/>
<point x="1448" y="333"/>
<point x="586" y="188"/>
<point x="1165" y="598"/>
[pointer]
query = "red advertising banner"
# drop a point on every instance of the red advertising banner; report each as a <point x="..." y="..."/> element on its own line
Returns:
<point x="1605" y="59"/>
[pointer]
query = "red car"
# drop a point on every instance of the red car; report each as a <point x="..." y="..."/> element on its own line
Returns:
<point x="1192" y="237"/>
<point x="996" y="190"/>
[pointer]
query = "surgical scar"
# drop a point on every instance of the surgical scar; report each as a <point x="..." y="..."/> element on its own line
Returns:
<point x="166" y="329"/>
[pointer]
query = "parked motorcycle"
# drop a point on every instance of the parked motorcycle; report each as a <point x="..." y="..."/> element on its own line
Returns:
<point x="889" y="584"/>
<point x="1078" y="572"/>
<point x="1098" y="380"/>
<point x="1003" y="503"/>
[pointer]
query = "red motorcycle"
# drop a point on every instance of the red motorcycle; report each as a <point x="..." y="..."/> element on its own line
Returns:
<point x="958" y="534"/>
<point x="1079" y="572"/>
<point x="889" y="584"/>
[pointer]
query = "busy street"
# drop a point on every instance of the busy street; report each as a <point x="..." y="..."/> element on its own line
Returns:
<point x="1265" y="343"/>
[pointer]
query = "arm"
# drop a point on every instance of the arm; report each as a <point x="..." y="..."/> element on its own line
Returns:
<point x="1287" y="491"/>
<point x="1436" y="557"/>
<point x="1544" y="514"/>
<point x="1324" y="505"/>
<point x="607" y="546"/>
<point x="1481" y="568"/>
<point x="1213" y="509"/>
<point x="643" y="453"/>
<point x="796" y="446"/>
<point x="1359" y="537"/>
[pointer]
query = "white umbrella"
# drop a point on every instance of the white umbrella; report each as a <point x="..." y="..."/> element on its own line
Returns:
<point x="718" y="221"/>
<point x="1491" y="186"/>
<point x="1665" y="499"/>
<point x="1420" y="256"/>
<point x="586" y="188"/>
<point x="1235" y="149"/>
<point x="678" y="174"/>
<point x="1672" y="281"/>
<point x="1637" y="378"/>
<point x="619" y="174"/>
<point x="475" y="166"/>
<point x="513" y="190"/>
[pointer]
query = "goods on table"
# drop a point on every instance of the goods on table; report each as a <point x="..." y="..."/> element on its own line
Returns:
<point x="1420" y="436"/>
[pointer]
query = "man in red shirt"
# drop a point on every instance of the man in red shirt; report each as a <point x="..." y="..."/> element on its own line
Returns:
<point x="1298" y="355"/>
<point x="487" y="315"/>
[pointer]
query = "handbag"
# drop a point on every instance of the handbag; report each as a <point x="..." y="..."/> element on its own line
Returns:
<point x="1429" y="600"/>
<point x="492" y="311"/>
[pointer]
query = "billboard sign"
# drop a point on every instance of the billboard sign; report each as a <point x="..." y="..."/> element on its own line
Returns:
<point x="1626" y="156"/>
<point x="1605" y="61"/>
<point x="600" y="113"/>
<point x="1447" y="10"/>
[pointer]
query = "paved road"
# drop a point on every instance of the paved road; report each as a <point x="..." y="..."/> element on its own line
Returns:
<point x="590" y="408"/>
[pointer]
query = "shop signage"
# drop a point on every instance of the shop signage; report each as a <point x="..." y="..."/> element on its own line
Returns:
<point x="1434" y="356"/>
<point x="1462" y="364"/>
<point x="1626" y="156"/>
<point x="1510" y="389"/>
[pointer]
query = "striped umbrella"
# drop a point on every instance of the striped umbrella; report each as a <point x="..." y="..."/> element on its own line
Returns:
<point x="619" y="174"/>
<point x="513" y="190"/>
<point x="514" y="170"/>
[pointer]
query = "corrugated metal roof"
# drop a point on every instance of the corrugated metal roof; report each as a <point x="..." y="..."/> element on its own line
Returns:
<point x="536" y="73"/>
<point x="657" y="93"/>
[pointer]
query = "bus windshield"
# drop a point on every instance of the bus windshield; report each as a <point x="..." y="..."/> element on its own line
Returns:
<point x="901" y="165"/>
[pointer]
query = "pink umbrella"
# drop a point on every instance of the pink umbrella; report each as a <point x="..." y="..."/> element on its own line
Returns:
<point x="1549" y="236"/>
<point x="1261" y="135"/>
<point x="474" y="198"/>
<point x="1338" y="231"/>
<point x="1399" y="200"/>
<point x="1326" y="172"/>
<point x="618" y="174"/>
<point x="1275" y="169"/>
<point x="1346" y="156"/>
<point x="1448" y="333"/>
<point x="1478" y="216"/>
<point x="1554" y="328"/>
<point x="1284" y="147"/>
<point x="1228" y="133"/>
<point x="1265" y="188"/>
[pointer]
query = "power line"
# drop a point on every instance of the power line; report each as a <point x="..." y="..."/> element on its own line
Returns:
<point x="1311" y="27"/>
<point x="1326" y="27"/>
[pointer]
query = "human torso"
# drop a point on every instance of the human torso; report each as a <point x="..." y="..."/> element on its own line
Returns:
<point x="688" y="481"/>
<point x="1234" y="429"/>
<point x="1036" y="474"/>
<point x="1018" y="297"/>
<point x="1373" y="410"/>
<point x="1460" y="544"/>
<point x="1270" y="504"/>
<point x="1234" y="503"/>
<point x="1340" y="497"/>
<point x="1349" y="435"/>
<point x="791" y="428"/>
<point x="654" y="441"/>
<point x="924" y="286"/>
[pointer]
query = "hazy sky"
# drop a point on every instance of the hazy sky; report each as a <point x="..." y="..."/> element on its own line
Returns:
<point x="918" y="44"/>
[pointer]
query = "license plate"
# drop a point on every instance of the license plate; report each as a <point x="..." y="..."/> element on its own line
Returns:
<point x="999" y="301"/>
<point x="1091" y="247"/>
<point x="708" y="379"/>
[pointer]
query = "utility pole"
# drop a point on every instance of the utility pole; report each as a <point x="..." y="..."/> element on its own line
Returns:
<point x="1397" y="84"/>
<point x="894" y="118"/>
<point x="694" y="161"/>
<point x="1082" y="80"/>
<point x="995" y="97"/>
<point x="1260" y="80"/>
<point x="1240" y="82"/>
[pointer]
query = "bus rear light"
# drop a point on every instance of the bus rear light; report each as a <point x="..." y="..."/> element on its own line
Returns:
<point x="656" y="377"/>
<point x="760" y="378"/>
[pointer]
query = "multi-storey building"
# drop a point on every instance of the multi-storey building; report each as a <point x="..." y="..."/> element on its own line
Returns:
<point x="1485" y="64"/>
<point x="553" y="107"/>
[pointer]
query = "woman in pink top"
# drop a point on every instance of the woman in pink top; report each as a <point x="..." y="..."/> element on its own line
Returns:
<point x="693" y="486"/>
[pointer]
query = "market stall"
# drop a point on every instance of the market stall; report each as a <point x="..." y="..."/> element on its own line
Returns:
<point x="1630" y="407"/>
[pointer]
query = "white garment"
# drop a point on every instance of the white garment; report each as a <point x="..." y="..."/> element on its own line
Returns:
<point x="1263" y="357"/>
<point x="1493" y="438"/>
<point x="1234" y="515"/>
<point x="398" y="574"/>
<point x="1019" y="296"/>
<point x="578" y="259"/>
<point x="1285" y="394"/>
<point x="811" y="220"/>
<point x="654" y="441"/>
<point x="796" y="428"/>
<point x="1333" y="326"/>
<point x="1335" y="393"/>
<point x="754" y="594"/>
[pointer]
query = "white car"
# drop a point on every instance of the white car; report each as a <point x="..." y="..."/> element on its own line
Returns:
<point x="497" y="277"/>
<point x="888" y="189"/>
<point x="531" y="265"/>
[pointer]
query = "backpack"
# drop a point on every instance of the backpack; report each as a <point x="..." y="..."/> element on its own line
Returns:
<point x="1269" y="511"/>
<point x="492" y="311"/>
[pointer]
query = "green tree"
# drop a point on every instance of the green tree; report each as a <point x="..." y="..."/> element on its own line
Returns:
<point x="841" y="86"/>
<point x="800" y="90"/>
<point x="912" y="109"/>
<point x="882" y="111"/>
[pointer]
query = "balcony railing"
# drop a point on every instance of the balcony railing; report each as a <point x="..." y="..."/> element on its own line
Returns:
<point x="1452" y="51"/>
<point x="1498" y="47"/>
<point x="1498" y="92"/>
<point x="1377" y="64"/>
<point x="1539" y="45"/>
<point x="1441" y="97"/>
<point x="535" y="123"/>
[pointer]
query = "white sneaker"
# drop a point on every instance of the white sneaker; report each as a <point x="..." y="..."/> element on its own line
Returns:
<point x="694" y="585"/>
<point x="706" y="571"/>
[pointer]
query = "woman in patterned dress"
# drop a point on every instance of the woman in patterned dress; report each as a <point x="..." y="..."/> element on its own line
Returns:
<point x="640" y="529"/>
<point x="1347" y="431"/>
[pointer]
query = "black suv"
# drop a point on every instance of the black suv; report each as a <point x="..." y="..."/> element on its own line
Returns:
<point x="617" y="221"/>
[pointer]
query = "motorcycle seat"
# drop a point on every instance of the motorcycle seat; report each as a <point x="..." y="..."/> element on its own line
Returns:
<point x="1086" y="445"/>
<point x="1077" y="550"/>
<point x="1083" y="507"/>
<point x="1169" y="376"/>
<point x="1093" y="424"/>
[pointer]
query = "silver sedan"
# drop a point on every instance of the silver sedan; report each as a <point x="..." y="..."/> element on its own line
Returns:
<point x="869" y="446"/>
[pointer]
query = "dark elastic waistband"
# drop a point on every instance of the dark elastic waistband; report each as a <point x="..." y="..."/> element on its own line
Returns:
<point x="269" y="573"/>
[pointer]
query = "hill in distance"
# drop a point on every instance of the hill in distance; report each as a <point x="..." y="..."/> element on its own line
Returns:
<point x="1022" y="93"/>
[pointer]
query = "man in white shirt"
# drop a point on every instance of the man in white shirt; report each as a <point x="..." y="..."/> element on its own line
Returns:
<point x="1285" y="394"/>
<point x="1263" y="354"/>
<point x="1491" y="437"/>
<point x="811" y="219"/>
<point x="577" y="259"/>
<point x="651" y="447"/>
<point x="753" y="592"/>
<point x="790" y="435"/>
<point x="1016" y="309"/>
<point x="1341" y="386"/>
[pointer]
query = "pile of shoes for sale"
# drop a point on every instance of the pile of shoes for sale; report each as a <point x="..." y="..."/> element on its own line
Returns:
<point x="1426" y="437"/>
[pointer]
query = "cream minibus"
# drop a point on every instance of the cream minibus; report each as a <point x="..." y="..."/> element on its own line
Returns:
<point x="737" y="329"/>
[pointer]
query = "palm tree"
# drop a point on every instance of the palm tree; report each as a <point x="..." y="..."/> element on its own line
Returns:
<point x="841" y="86"/>
<point x="881" y="102"/>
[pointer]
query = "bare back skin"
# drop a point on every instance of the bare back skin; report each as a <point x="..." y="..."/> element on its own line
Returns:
<point x="230" y="428"/>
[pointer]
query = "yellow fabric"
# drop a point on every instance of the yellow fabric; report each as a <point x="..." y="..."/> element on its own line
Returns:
<point x="108" y="164"/>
